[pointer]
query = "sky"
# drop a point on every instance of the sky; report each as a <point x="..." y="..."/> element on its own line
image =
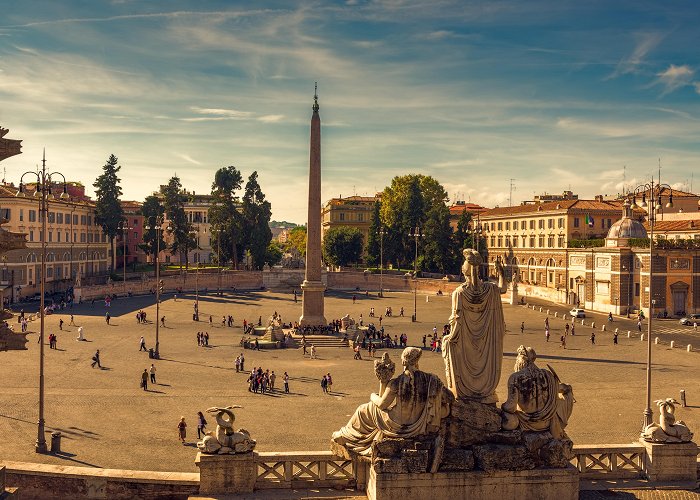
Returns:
<point x="544" y="95"/>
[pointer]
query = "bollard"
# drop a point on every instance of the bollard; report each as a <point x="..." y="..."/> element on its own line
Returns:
<point x="673" y="344"/>
<point x="540" y="309"/>
<point x="602" y="328"/>
<point x="547" y="312"/>
<point x="616" y="330"/>
<point x="593" y="324"/>
<point x="583" y="322"/>
<point x="690" y="348"/>
<point x="629" y="334"/>
<point x="656" y="340"/>
<point x="641" y="337"/>
<point x="683" y="402"/>
<point x="55" y="442"/>
<point x="427" y="299"/>
<point x="555" y="314"/>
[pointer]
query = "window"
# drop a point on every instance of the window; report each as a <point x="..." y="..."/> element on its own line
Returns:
<point x="58" y="236"/>
<point x="576" y="222"/>
<point x="89" y="237"/>
<point x="532" y="224"/>
<point x="104" y="238"/>
<point x="75" y="219"/>
<point x="136" y="237"/>
<point x="59" y="217"/>
<point x="636" y="289"/>
<point x="21" y="214"/>
<point x="524" y="241"/>
<point x="561" y="223"/>
<point x="515" y="225"/>
<point x="609" y="222"/>
<point x="515" y="241"/>
<point x="532" y="242"/>
<point x="541" y="241"/>
<point x="500" y="241"/>
<point x="83" y="220"/>
<point x="550" y="241"/>
<point x="136" y="222"/>
<point x="360" y="217"/>
<point x="540" y="224"/>
<point x="5" y="213"/>
<point x="31" y="235"/>
<point x="550" y="223"/>
<point x="50" y="235"/>
<point x="52" y="218"/>
<point x="493" y="241"/>
<point x="83" y="238"/>
<point x="493" y="226"/>
<point x="67" y="238"/>
<point x="500" y="226"/>
<point x="507" y="226"/>
<point x="32" y="216"/>
<point x="67" y="218"/>
<point x="560" y="242"/>
<point x="89" y="220"/>
<point x="342" y="216"/>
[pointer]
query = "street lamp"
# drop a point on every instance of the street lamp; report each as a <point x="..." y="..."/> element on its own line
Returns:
<point x="158" y="226"/>
<point x="382" y="232"/>
<point x="44" y="182"/>
<point x="415" y="234"/>
<point x="124" y="226"/>
<point x="654" y="191"/>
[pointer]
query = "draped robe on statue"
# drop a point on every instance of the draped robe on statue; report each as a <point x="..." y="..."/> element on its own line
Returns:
<point x="474" y="348"/>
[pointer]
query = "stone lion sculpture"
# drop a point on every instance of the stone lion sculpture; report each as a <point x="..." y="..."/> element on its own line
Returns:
<point x="537" y="399"/>
<point x="224" y="440"/>
<point x="668" y="430"/>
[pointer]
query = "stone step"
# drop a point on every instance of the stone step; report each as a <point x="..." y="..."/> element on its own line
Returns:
<point x="322" y="341"/>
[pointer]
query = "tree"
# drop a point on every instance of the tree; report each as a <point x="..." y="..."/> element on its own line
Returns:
<point x="342" y="246"/>
<point x="152" y="211"/>
<point x="224" y="215"/>
<point x="108" y="211"/>
<point x="438" y="245"/>
<point x="373" y="237"/>
<point x="296" y="239"/>
<point x="256" y="221"/>
<point x="180" y="229"/>
<point x="273" y="254"/>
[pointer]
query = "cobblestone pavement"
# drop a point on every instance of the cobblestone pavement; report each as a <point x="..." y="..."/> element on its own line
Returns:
<point x="108" y="421"/>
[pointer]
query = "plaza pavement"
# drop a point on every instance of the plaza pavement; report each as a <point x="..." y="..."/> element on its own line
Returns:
<point x="107" y="420"/>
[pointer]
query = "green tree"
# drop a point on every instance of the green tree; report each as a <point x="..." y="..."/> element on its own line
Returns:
<point x="152" y="211"/>
<point x="373" y="237"/>
<point x="256" y="221"/>
<point x="438" y="255"/>
<point x="108" y="211"/>
<point x="342" y="246"/>
<point x="273" y="254"/>
<point x="224" y="215"/>
<point x="461" y="239"/>
<point x="180" y="229"/>
<point x="297" y="240"/>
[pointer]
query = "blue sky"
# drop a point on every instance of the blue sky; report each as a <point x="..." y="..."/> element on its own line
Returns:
<point x="553" y="94"/>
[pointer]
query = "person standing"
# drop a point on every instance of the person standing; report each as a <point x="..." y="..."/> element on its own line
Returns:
<point x="546" y="332"/>
<point x="242" y="362"/>
<point x="329" y="383"/>
<point x="72" y="321"/>
<point x="152" y="372"/>
<point x="573" y="326"/>
<point x="237" y="362"/>
<point x="182" y="429"/>
<point x="522" y="327"/>
<point x="96" y="359"/>
<point x="285" y="379"/>
<point x="563" y="341"/>
<point x="639" y="325"/>
<point x="144" y="379"/>
<point x="142" y="344"/>
<point x="107" y="316"/>
<point x="201" y="424"/>
<point x="615" y="337"/>
<point x="60" y="324"/>
<point x="593" y="337"/>
<point x="303" y="345"/>
<point x="273" y="377"/>
<point x="324" y="384"/>
<point x="162" y="321"/>
<point x="313" y="351"/>
<point x="566" y="329"/>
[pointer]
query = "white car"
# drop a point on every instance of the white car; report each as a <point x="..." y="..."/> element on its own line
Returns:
<point x="577" y="313"/>
<point x="690" y="319"/>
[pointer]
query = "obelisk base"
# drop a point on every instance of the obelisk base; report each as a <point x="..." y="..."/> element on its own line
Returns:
<point x="312" y="302"/>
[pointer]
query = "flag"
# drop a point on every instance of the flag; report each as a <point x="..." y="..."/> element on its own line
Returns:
<point x="589" y="220"/>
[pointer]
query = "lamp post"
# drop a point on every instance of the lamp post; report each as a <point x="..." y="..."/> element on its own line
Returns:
<point x="654" y="191"/>
<point x="157" y="226"/>
<point x="124" y="226"/>
<point x="44" y="181"/>
<point x="382" y="232"/>
<point x="415" y="234"/>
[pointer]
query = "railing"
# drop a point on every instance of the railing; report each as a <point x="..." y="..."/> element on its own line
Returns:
<point x="305" y="470"/>
<point x="609" y="461"/>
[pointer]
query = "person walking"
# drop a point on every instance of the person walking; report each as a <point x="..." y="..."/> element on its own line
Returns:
<point x="329" y="383"/>
<point x="107" y="316"/>
<point x="96" y="359"/>
<point x="522" y="327"/>
<point x="563" y="341"/>
<point x="142" y="344"/>
<point x="72" y="321"/>
<point x="610" y="318"/>
<point x="60" y="324"/>
<point x="162" y="321"/>
<point x="593" y="337"/>
<point x="144" y="379"/>
<point x="182" y="429"/>
<point x="303" y="345"/>
<point x="285" y="379"/>
<point x="324" y="384"/>
<point x="639" y="325"/>
<point x="313" y="351"/>
<point x="566" y="329"/>
<point x="273" y="377"/>
<point x="201" y="424"/>
<point x="615" y="337"/>
<point x="546" y="332"/>
<point x="573" y="326"/>
<point x="152" y="373"/>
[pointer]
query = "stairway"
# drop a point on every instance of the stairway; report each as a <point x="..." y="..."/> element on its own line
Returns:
<point x="322" y="341"/>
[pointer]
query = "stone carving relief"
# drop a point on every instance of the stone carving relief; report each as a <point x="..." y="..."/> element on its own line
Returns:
<point x="680" y="264"/>
<point x="602" y="262"/>
<point x="577" y="261"/>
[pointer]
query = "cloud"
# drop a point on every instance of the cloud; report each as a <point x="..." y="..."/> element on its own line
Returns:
<point x="458" y="163"/>
<point x="222" y="113"/>
<point x="188" y="158"/>
<point x="646" y="42"/>
<point x="674" y="77"/>
<point x="270" y="118"/>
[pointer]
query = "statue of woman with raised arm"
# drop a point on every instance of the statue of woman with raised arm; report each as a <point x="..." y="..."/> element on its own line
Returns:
<point x="474" y="347"/>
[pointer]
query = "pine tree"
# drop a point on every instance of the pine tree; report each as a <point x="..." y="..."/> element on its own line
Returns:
<point x="373" y="237"/>
<point x="256" y="221"/>
<point x="180" y="229"/>
<point x="152" y="211"/>
<point x="108" y="211"/>
<point x="224" y="216"/>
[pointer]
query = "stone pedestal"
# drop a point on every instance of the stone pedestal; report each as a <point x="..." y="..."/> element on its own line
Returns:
<point x="543" y="484"/>
<point x="227" y="473"/>
<point x="312" y="303"/>
<point x="667" y="462"/>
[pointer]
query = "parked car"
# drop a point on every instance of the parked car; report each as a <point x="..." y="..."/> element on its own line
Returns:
<point x="577" y="313"/>
<point x="690" y="319"/>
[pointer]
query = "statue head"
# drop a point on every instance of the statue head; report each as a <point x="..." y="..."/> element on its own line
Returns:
<point x="526" y="357"/>
<point x="472" y="262"/>
<point x="410" y="357"/>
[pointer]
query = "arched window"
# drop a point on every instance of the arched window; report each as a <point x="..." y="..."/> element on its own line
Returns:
<point x="531" y="269"/>
<point x="66" y="256"/>
<point x="550" y="272"/>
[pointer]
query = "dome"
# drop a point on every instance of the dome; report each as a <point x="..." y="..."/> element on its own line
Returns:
<point x="627" y="228"/>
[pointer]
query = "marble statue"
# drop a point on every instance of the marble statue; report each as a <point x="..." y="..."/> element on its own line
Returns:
<point x="474" y="347"/>
<point x="224" y="440"/>
<point x="80" y="334"/>
<point x="412" y="404"/>
<point x="537" y="399"/>
<point x="384" y="370"/>
<point x="346" y="322"/>
<point x="668" y="430"/>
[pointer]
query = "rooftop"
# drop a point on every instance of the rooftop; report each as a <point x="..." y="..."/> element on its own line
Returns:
<point x="555" y="206"/>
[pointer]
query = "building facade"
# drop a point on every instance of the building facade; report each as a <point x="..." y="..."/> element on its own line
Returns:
<point x="197" y="212"/>
<point x="459" y="207"/>
<point x="353" y="211"/>
<point x="75" y="244"/>
<point x="129" y="240"/>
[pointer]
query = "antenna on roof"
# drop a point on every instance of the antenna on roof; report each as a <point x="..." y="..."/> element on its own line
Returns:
<point x="624" y="178"/>
<point x="510" y="196"/>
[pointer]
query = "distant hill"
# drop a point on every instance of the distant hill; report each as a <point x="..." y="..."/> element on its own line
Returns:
<point x="274" y="224"/>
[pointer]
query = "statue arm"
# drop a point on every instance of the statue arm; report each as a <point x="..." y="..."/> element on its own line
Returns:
<point x="384" y="401"/>
<point x="511" y="404"/>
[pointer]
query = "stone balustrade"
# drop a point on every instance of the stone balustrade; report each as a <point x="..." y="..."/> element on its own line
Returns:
<point x="610" y="461"/>
<point x="306" y="470"/>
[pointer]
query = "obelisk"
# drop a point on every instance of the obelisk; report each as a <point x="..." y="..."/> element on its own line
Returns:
<point x="313" y="288"/>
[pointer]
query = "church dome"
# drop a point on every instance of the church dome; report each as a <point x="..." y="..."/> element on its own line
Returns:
<point x="624" y="229"/>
